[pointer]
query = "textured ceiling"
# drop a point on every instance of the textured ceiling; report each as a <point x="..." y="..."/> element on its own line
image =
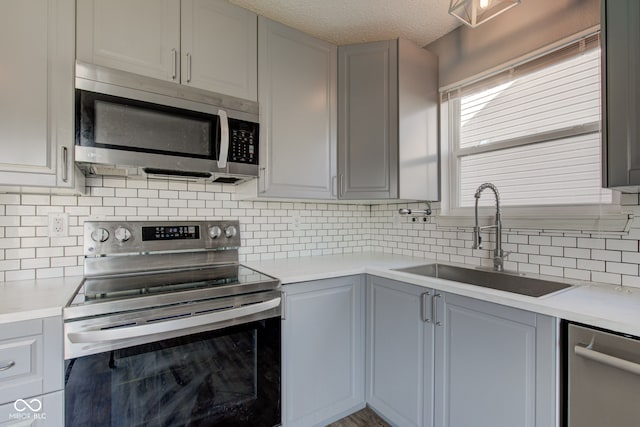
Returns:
<point x="356" y="21"/>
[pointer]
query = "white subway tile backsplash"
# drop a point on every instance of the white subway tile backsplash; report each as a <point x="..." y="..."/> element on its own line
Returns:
<point x="622" y="245"/>
<point x="591" y="243"/>
<point x="606" y="255"/>
<point x="622" y="268"/>
<point x="614" y="279"/>
<point x="274" y="230"/>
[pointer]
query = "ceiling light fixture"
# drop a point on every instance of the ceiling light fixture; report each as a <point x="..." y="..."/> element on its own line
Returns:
<point x="475" y="12"/>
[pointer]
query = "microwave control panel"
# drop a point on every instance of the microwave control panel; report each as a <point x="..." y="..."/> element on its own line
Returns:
<point x="243" y="142"/>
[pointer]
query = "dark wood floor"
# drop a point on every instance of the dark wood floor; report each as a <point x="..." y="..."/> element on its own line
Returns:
<point x="363" y="418"/>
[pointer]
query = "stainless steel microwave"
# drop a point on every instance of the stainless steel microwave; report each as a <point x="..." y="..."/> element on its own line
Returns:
<point x="128" y="124"/>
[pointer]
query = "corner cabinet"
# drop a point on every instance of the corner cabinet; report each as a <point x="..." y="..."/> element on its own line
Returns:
<point x="400" y="351"/>
<point x="297" y="95"/>
<point x="620" y="23"/>
<point x="37" y="40"/>
<point x="439" y="359"/>
<point x="323" y="350"/>
<point x="387" y="122"/>
<point x="208" y="44"/>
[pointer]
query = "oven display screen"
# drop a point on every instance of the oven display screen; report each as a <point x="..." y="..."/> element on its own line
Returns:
<point x="173" y="232"/>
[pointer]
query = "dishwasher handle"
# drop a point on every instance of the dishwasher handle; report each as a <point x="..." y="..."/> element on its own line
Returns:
<point x="606" y="359"/>
<point x="108" y="335"/>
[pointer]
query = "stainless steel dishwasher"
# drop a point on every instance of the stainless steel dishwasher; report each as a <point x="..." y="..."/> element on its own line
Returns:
<point x="603" y="378"/>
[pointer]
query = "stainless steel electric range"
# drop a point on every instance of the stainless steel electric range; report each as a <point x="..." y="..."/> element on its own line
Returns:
<point x="167" y="328"/>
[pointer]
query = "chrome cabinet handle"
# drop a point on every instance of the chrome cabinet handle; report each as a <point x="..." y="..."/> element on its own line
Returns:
<point x="423" y="307"/>
<point x="342" y="189"/>
<point x="607" y="359"/>
<point x="65" y="164"/>
<point x="8" y="366"/>
<point x="188" y="67"/>
<point x="283" y="306"/>
<point x="334" y="186"/>
<point x="434" y="309"/>
<point x="174" y="65"/>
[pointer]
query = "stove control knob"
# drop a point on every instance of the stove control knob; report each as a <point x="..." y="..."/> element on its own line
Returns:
<point x="122" y="234"/>
<point x="99" y="235"/>
<point x="215" y="232"/>
<point x="230" y="231"/>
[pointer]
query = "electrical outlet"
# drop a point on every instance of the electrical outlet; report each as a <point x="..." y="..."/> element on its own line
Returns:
<point x="58" y="224"/>
<point x="295" y="221"/>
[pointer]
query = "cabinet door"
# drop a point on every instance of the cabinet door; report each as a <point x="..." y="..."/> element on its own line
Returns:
<point x="139" y="36"/>
<point x="323" y="351"/>
<point x="42" y="411"/>
<point x="219" y="48"/>
<point x="399" y="352"/>
<point x="298" y="113"/>
<point x="621" y="97"/>
<point x="368" y="120"/>
<point x="36" y="92"/>
<point x="495" y="365"/>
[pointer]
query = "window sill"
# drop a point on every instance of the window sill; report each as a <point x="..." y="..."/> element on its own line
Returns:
<point x="606" y="223"/>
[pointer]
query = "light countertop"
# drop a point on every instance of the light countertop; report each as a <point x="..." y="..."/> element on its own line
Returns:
<point x="33" y="299"/>
<point x="607" y="306"/>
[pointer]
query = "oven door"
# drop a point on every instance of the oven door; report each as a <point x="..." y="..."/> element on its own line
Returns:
<point x="228" y="374"/>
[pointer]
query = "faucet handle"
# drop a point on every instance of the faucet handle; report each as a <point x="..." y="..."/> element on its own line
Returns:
<point x="477" y="238"/>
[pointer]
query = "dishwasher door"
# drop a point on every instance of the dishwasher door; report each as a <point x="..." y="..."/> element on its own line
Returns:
<point x="604" y="379"/>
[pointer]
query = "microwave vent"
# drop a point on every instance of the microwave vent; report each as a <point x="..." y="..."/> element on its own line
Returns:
<point x="227" y="180"/>
<point x="176" y="174"/>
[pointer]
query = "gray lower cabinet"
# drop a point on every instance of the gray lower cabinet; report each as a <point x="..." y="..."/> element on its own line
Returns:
<point x="323" y="351"/>
<point x="387" y="121"/>
<point x="495" y="365"/>
<point x="297" y="77"/>
<point x="400" y="352"/>
<point x="621" y="94"/>
<point x="444" y="360"/>
<point x="31" y="373"/>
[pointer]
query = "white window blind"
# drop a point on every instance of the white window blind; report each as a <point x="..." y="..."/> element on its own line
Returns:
<point x="533" y="130"/>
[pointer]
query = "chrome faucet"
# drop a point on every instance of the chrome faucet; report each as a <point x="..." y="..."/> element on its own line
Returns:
<point x="498" y="254"/>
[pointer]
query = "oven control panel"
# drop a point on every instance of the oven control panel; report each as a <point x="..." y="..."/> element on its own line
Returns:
<point x="103" y="238"/>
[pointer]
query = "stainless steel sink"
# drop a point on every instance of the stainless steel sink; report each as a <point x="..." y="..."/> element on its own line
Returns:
<point x="502" y="281"/>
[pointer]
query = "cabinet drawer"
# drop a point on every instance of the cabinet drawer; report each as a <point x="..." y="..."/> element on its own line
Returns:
<point x="18" y="358"/>
<point x="31" y="361"/>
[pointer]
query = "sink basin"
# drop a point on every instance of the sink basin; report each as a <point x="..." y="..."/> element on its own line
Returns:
<point x="502" y="281"/>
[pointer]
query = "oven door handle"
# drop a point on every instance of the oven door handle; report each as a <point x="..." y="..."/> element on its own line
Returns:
<point x="107" y="335"/>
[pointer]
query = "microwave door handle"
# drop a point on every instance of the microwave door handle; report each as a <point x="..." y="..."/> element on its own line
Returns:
<point x="224" y="139"/>
<point x="184" y="324"/>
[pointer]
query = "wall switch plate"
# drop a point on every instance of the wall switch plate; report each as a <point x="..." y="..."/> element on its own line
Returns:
<point x="58" y="224"/>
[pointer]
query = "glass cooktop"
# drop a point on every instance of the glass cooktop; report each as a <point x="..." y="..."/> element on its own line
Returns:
<point x="124" y="292"/>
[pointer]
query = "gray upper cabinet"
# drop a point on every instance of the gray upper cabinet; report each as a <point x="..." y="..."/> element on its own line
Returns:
<point x="208" y="44"/>
<point x="36" y="101"/>
<point x="387" y="122"/>
<point x="298" y="119"/>
<point x="621" y="94"/>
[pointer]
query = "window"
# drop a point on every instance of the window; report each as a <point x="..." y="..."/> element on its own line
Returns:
<point x="533" y="130"/>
